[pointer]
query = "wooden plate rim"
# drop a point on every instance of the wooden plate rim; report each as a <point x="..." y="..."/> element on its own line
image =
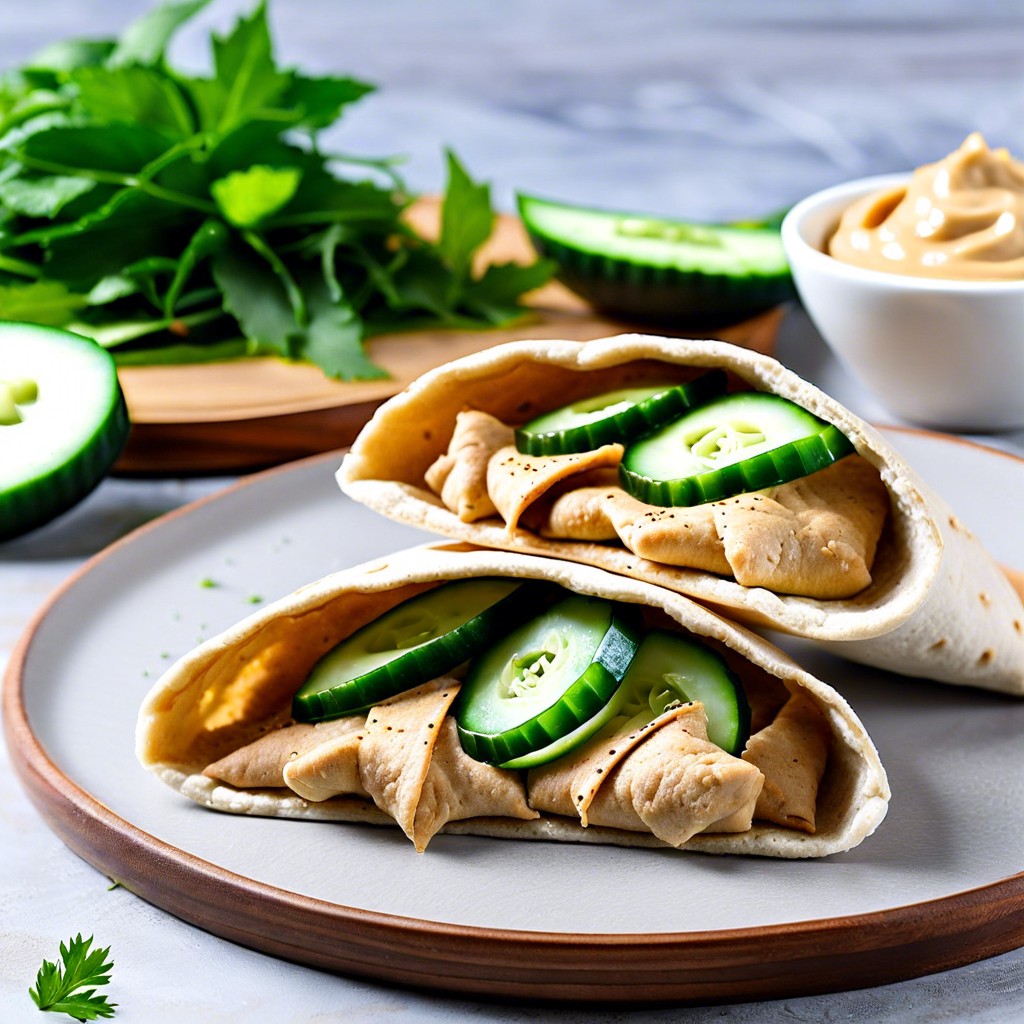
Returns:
<point x="714" y="966"/>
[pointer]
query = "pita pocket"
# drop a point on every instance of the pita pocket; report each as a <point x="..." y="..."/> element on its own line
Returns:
<point x="862" y="556"/>
<point x="217" y="728"/>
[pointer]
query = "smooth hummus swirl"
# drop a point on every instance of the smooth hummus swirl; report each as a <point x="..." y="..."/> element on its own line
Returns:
<point x="961" y="218"/>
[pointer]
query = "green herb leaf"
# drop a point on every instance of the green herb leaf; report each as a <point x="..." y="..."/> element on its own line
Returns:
<point x="466" y="218"/>
<point x="68" y="54"/>
<point x="21" y="129"/>
<point x="254" y="296"/>
<point x="111" y="288"/>
<point x="92" y="150"/>
<point x="333" y="338"/>
<point x="42" y="302"/>
<point x="317" y="102"/>
<point x="145" y="40"/>
<point x="149" y="209"/>
<point x="210" y="237"/>
<point x="247" y="79"/>
<point x="248" y="197"/>
<point x="131" y="227"/>
<point x="63" y="988"/>
<point x="19" y="104"/>
<point x="495" y="294"/>
<point x="173" y="355"/>
<point x="111" y="334"/>
<point x="135" y="95"/>
<point x="43" y="196"/>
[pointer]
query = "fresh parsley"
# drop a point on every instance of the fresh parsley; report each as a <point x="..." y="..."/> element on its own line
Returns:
<point x="71" y="987"/>
<point x="178" y="218"/>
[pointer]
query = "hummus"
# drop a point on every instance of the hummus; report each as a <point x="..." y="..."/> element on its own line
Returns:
<point x="961" y="218"/>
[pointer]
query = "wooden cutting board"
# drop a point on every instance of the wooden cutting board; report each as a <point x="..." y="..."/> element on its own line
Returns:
<point x="246" y="414"/>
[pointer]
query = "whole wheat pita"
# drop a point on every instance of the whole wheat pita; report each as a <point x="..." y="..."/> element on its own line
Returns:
<point x="216" y="727"/>
<point x="937" y="605"/>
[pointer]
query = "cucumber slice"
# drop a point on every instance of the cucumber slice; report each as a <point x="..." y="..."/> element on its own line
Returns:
<point x="616" y="416"/>
<point x="63" y="423"/>
<point x="661" y="271"/>
<point x="742" y="442"/>
<point x="417" y="640"/>
<point x="545" y="679"/>
<point x="669" y="668"/>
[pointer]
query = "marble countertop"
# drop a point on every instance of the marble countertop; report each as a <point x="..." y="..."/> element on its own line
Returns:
<point x="699" y="110"/>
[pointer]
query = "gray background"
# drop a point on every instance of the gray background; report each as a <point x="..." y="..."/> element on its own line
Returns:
<point x="702" y="110"/>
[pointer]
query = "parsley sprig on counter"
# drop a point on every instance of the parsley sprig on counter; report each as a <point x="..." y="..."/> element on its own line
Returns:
<point x="71" y="986"/>
<point x="178" y="218"/>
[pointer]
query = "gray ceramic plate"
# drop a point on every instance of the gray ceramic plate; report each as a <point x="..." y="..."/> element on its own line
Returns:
<point x="533" y="918"/>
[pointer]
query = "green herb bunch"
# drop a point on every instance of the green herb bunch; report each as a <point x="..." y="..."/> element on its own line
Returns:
<point x="176" y="218"/>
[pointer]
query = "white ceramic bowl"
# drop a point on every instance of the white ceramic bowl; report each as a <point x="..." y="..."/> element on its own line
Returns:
<point x="947" y="354"/>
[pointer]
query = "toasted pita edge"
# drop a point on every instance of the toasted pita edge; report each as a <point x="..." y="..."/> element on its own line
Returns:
<point x="170" y="740"/>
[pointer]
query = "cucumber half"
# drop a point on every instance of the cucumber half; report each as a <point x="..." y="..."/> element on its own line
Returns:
<point x="545" y="680"/>
<point x="654" y="270"/>
<point x="63" y="423"/>
<point x="412" y="643"/>
<point x="738" y="443"/>
<point x="616" y="416"/>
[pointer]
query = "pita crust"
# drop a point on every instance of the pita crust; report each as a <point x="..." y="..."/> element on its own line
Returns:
<point x="215" y="679"/>
<point x="937" y="605"/>
<point x="791" y="754"/>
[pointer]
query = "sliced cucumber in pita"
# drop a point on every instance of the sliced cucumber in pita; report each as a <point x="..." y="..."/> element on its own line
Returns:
<point x="669" y="668"/>
<point x="615" y="416"/>
<point x="545" y="680"/>
<point x="738" y="443"/>
<point x="416" y="641"/>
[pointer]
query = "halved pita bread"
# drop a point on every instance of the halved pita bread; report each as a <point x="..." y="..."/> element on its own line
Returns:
<point x="225" y="708"/>
<point x="937" y="605"/>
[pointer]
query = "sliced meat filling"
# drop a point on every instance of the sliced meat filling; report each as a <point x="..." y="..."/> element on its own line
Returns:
<point x="665" y="778"/>
<point x="262" y="763"/>
<point x="460" y="476"/>
<point x="815" y="537"/>
<point x="791" y="753"/>
<point x="413" y="766"/>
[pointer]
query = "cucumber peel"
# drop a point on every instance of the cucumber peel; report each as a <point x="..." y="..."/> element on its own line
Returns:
<point x="416" y="641"/>
<point x="544" y="680"/>
<point x="616" y="416"/>
<point x="63" y="423"/>
<point x="742" y="442"/>
<point x="670" y="668"/>
<point x="659" y="270"/>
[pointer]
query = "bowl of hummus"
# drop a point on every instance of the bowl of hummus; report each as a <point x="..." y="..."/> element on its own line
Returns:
<point x="916" y="282"/>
